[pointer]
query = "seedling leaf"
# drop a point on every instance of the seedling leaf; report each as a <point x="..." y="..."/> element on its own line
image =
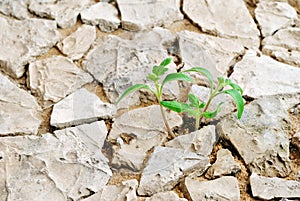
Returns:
<point x="214" y="113"/>
<point x="176" y="76"/>
<point x="166" y="62"/>
<point x="132" y="89"/>
<point x="159" y="70"/>
<point x="234" y="86"/>
<point x="194" y="100"/>
<point x="152" y="77"/>
<point x="237" y="97"/>
<point x="174" y="106"/>
<point x="204" y="72"/>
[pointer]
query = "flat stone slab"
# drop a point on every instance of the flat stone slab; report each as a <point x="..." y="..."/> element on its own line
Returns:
<point x="126" y="190"/>
<point x="80" y="107"/>
<point x="137" y="131"/>
<point x="224" y="165"/>
<point x="261" y="136"/>
<point x="119" y="63"/>
<point x="19" y="111"/>
<point x="64" y="12"/>
<point x="270" y="188"/>
<point x="273" y="16"/>
<point x="166" y="166"/>
<point x="232" y="21"/>
<point x="77" y="44"/>
<point x="201" y="141"/>
<point x="139" y="15"/>
<point x="224" y="188"/>
<point x="102" y="14"/>
<point x="284" y="45"/>
<point x="49" y="80"/>
<point x="26" y="39"/>
<point x="165" y="196"/>
<point x="49" y="167"/>
<point x="213" y="53"/>
<point x="252" y="73"/>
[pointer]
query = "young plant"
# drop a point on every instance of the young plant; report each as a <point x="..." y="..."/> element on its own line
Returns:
<point x="155" y="77"/>
<point x="200" y="110"/>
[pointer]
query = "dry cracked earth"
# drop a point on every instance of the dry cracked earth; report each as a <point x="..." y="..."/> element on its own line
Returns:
<point x="63" y="64"/>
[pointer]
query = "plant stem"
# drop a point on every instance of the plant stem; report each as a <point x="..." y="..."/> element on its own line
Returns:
<point x="204" y="110"/>
<point x="166" y="122"/>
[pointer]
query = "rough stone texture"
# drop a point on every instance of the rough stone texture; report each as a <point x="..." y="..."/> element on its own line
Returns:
<point x="203" y="94"/>
<point x="139" y="15"/>
<point x="120" y="63"/>
<point x="19" y="111"/>
<point x="22" y="40"/>
<point x="80" y="107"/>
<point x="15" y="8"/>
<point x="138" y="131"/>
<point x="284" y="45"/>
<point x="273" y="16"/>
<point x="201" y="141"/>
<point x="51" y="167"/>
<point x="77" y="44"/>
<point x="64" y="12"/>
<point x="126" y="190"/>
<point x="102" y="14"/>
<point x="222" y="189"/>
<point x="261" y="136"/>
<point x="213" y="53"/>
<point x="166" y="166"/>
<point x="165" y="196"/>
<point x="224" y="165"/>
<point x="232" y="21"/>
<point x="49" y="80"/>
<point x="270" y="188"/>
<point x="296" y="140"/>
<point x="261" y="76"/>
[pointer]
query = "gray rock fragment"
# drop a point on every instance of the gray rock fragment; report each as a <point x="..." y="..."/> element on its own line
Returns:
<point x="261" y="75"/>
<point x="270" y="188"/>
<point x="15" y="8"/>
<point x="296" y="140"/>
<point x="166" y="166"/>
<point x="77" y="44"/>
<point x="232" y="21"/>
<point x="56" y="77"/>
<point x="22" y="40"/>
<point x="64" y="12"/>
<point x="165" y="196"/>
<point x="200" y="141"/>
<point x="284" y="45"/>
<point x="126" y="190"/>
<point x="222" y="189"/>
<point x="80" y="107"/>
<point x="273" y="16"/>
<point x="19" y="111"/>
<point x="213" y="53"/>
<point x="139" y="15"/>
<point x="139" y="130"/>
<point x="51" y="167"/>
<point x="102" y="14"/>
<point x="224" y="165"/>
<point x="120" y="63"/>
<point x="261" y="136"/>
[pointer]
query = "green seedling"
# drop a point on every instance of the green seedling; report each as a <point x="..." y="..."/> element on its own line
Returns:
<point x="155" y="77"/>
<point x="199" y="110"/>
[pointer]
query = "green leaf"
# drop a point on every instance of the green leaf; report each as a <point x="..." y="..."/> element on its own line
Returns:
<point x="159" y="70"/>
<point x="174" y="106"/>
<point x="221" y="81"/>
<point x="214" y="113"/>
<point x="176" y="76"/>
<point x="165" y="62"/>
<point x="202" y="105"/>
<point x="204" y="72"/>
<point x="234" y="86"/>
<point x="152" y="77"/>
<point x="132" y="89"/>
<point x="194" y="100"/>
<point x="238" y="100"/>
